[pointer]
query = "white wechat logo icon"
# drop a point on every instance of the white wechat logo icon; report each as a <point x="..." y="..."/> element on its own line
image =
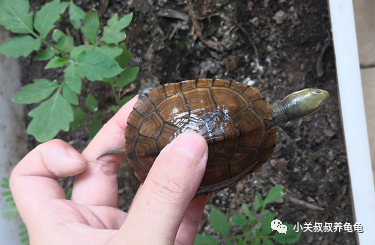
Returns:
<point x="278" y="226"/>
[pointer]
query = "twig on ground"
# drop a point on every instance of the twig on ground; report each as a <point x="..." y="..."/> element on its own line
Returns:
<point x="198" y="30"/>
<point x="319" y="63"/>
<point x="248" y="37"/>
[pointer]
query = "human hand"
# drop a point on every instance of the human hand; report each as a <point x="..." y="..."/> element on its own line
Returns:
<point x="161" y="212"/>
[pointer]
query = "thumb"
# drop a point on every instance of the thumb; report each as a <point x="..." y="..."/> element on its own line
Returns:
<point x="171" y="184"/>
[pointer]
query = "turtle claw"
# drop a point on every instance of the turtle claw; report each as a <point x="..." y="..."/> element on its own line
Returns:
<point x="115" y="152"/>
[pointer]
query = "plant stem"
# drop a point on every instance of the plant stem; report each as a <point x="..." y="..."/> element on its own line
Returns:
<point x="66" y="55"/>
<point x="114" y="94"/>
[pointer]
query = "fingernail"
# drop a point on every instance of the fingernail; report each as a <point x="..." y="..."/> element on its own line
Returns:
<point x="191" y="143"/>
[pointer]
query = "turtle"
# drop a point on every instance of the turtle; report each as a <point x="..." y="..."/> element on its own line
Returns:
<point x="235" y="119"/>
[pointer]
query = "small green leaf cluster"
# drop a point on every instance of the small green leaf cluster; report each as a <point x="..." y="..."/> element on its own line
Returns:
<point x="9" y="209"/>
<point x="105" y="59"/>
<point x="256" y="225"/>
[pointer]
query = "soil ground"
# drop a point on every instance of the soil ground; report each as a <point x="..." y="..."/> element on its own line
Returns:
<point x="283" y="46"/>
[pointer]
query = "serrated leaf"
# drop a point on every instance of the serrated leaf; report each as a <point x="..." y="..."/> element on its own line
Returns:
<point x="56" y="62"/>
<point x="112" y="32"/>
<point x="46" y="17"/>
<point x="15" y="16"/>
<point x="9" y="210"/>
<point x="39" y="90"/>
<point x="50" y="117"/>
<point x="72" y="79"/>
<point x="124" y="58"/>
<point x="246" y="210"/>
<point x="76" y="14"/>
<point x="78" y="50"/>
<point x="256" y="205"/>
<point x="46" y="54"/>
<point x="205" y="240"/>
<point x="276" y="193"/>
<point x="125" y="100"/>
<point x="91" y="25"/>
<point x="290" y="237"/>
<point x="96" y="66"/>
<point x="128" y="76"/>
<point x="91" y="103"/>
<point x="267" y="241"/>
<point x="65" y="43"/>
<point x="20" y="46"/>
<point x="57" y="34"/>
<point x="112" y="51"/>
<point x="95" y="126"/>
<point x="256" y="241"/>
<point x="70" y="95"/>
<point x="79" y="118"/>
<point x="266" y="226"/>
<point x="219" y="222"/>
<point x="239" y="219"/>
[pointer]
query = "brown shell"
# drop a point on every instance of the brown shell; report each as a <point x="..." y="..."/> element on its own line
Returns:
<point x="234" y="119"/>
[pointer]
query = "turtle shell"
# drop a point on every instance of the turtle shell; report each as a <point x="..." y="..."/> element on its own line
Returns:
<point x="235" y="120"/>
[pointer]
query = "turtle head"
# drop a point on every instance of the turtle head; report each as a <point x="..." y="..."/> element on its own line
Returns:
<point x="298" y="104"/>
<point x="309" y="100"/>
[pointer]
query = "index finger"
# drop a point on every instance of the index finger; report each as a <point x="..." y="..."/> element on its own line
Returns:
<point x="97" y="185"/>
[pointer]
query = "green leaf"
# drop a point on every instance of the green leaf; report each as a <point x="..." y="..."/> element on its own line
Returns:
<point x="65" y="43"/>
<point x="91" y="103"/>
<point x="276" y="193"/>
<point x="256" y="205"/>
<point x="68" y="193"/>
<point x="76" y="14"/>
<point x="46" y="54"/>
<point x="125" y="100"/>
<point x="72" y="79"/>
<point x="112" y="51"/>
<point x="26" y="239"/>
<point x="128" y="76"/>
<point x="57" y="34"/>
<point x="96" y="66"/>
<point x="256" y="241"/>
<point x="239" y="219"/>
<point x="112" y="32"/>
<point x="15" y="16"/>
<point x="219" y="222"/>
<point x="290" y="237"/>
<point x="9" y="210"/>
<point x="20" y="46"/>
<point x="91" y="27"/>
<point x="70" y="95"/>
<point x="95" y="126"/>
<point x="124" y="58"/>
<point x="46" y="17"/>
<point x="56" y="62"/>
<point x="205" y="240"/>
<point x="78" y="50"/>
<point x="267" y="241"/>
<point x="79" y="118"/>
<point x="266" y="226"/>
<point x="39" y="90"/>
<point x="50" y="117"/>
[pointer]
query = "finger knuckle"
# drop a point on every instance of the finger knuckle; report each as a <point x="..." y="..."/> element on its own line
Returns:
<point x="167" y="188"/>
